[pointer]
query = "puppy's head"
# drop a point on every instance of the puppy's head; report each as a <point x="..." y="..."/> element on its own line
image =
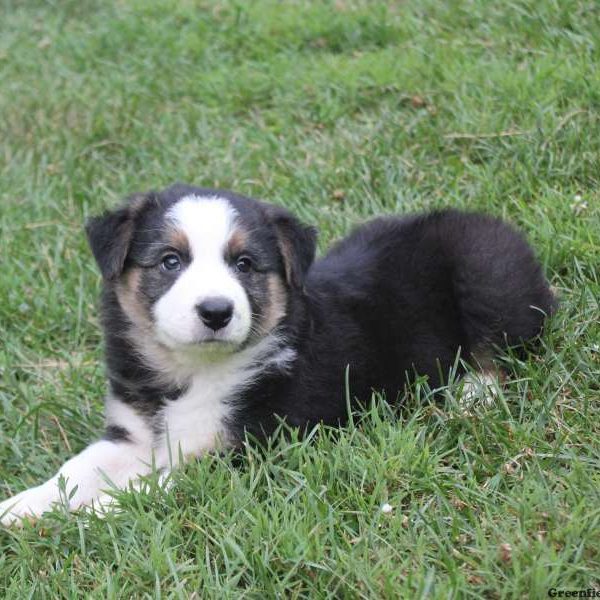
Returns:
<point x="200" y="269"/>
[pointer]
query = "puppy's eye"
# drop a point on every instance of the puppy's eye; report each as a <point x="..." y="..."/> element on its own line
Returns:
<point x="243" y="264"/>
<point x="170" y="262"/>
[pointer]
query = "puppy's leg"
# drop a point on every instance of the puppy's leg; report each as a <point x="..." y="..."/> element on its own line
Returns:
<point x="112" y="462"/>
<point x="98" y="467"/>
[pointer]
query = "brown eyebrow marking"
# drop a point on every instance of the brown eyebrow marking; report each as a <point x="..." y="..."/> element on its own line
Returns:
<point x="237" y="242"/>
<point x="177" y="238"/>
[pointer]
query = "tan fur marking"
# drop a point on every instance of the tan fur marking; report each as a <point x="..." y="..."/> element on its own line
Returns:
<point x="127" y="294"/>
<point x="286" y="251"/>
<point x="237" y="242"/>
<point x="276" y="309"/>
<point x="177" y="239"/>
<point x="484" y="361"/>
<point x="141" y="334"/>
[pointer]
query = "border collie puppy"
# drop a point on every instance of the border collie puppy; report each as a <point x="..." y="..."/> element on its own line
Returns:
<point x="218" y="322"/>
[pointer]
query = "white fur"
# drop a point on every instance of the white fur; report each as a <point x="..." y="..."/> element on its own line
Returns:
<point x="99" y="467"/>
<point x="122" y="415"/>
<point x="478" y="388"/>
<point x="196" y="422"/>
<point x="190" y="426"/>
<point x="208" y="224"/>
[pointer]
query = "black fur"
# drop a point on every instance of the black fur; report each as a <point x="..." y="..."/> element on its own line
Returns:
<point x="297" y="243"/>
<point x="115" y="433"/>
<point x="398" y="297"/>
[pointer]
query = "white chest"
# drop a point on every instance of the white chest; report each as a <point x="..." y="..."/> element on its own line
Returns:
<point x="195" y="423"/>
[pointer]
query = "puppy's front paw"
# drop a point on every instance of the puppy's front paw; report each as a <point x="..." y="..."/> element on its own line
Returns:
<point x="29" y="504"/>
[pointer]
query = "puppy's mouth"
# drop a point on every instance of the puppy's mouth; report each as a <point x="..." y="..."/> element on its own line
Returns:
<point x="213" y="341"/>
<point x="219" y="337"/>
<point x="209" y="340"/>
<point x="196" y="344"/>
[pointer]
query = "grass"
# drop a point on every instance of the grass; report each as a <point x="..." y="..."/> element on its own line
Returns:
<point x="339" y="110"/>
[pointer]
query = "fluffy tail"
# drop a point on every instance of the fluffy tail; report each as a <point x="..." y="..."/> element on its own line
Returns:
<point x="501" y="291"/>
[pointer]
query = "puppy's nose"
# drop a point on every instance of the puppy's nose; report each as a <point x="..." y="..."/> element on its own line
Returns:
<point x="215" y="312"/>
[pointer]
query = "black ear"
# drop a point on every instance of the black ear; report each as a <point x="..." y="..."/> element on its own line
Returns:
<point x="297" y="244"/>
<point x="109" y="236"/>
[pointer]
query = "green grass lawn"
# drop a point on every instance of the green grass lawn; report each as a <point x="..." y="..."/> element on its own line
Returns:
<point x="341" y="111"/>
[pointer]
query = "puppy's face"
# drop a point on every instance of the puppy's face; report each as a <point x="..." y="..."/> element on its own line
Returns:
<point x="199" y="269"/>
<point x="202" y="273"/>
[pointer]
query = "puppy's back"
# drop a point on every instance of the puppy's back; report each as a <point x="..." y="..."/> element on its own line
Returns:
<point x="460" y="279"/>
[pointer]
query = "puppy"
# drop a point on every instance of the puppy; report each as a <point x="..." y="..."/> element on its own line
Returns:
<point x="219" y="323"/>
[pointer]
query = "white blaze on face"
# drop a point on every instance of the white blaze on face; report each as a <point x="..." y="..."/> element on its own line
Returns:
<point x="208" y="223"/>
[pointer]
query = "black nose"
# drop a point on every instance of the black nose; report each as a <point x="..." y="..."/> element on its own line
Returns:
<point x="215" y="312"/>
